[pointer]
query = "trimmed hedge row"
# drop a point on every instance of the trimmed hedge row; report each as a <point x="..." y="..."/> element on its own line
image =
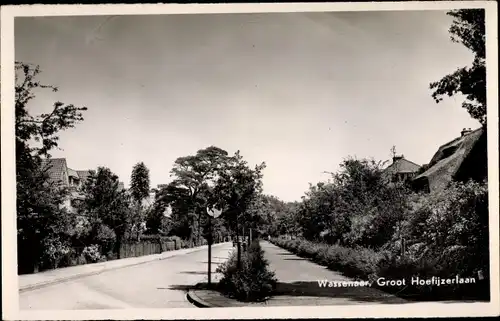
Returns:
<point x="360" y="264"/>
<point x="366" y="264"/>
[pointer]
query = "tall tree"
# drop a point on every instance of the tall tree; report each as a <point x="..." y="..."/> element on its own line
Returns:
<point x="139" y="190"/>
<point x="193" y="176"/>
<point x="139" y="183"/>
<point x="41" y="221"/>
<point x="237" y="187"/>
<point x="468" y="28"/>
<point x="105" y="203"/>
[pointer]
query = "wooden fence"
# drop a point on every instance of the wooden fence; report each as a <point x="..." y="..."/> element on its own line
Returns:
<point x="146" y="248"/>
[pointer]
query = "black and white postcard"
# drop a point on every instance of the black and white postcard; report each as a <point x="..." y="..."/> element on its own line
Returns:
<point x="258" y="160"/>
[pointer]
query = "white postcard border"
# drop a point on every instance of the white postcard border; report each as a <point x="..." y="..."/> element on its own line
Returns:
<point x="10" y="293"/>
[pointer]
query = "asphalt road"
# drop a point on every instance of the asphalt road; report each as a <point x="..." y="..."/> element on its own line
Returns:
<point x="157" y="284"/>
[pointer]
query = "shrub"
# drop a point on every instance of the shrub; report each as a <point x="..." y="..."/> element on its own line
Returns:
<point x="447" y="235"/>
<point x="55" y="252"/>
<point x="92" y="254"/>
<point x="179" y="243"/>
<point x="357" y="263"/>
<point x="252" y="281"/>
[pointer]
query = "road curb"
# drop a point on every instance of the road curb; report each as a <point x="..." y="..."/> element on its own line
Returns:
<point x="42" y="284"/>
<point x="197" y="301"/>
<point x="57" y="281"/>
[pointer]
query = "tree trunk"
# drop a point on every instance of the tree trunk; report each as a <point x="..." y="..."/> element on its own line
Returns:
<point x="199" y="229"/>
<point x="238" y="247"/>
<point x="244" y="240"/>
<point x="118" y="245"/>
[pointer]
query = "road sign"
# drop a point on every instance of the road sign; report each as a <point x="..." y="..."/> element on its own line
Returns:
<point x="214" y="212"/>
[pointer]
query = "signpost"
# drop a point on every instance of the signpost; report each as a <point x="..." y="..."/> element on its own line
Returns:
<point x="212" y="213"/>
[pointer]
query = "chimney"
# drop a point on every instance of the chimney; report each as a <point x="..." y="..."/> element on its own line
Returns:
<point x="396" y="158"/>
<point x="465" y="131"/>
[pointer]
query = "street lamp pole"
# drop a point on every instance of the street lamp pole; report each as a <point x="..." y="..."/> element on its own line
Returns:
<point x="212" y="213"/>
<point x="209" y="250"/>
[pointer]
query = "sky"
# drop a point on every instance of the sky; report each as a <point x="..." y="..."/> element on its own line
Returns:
<point x="299" y="91"/>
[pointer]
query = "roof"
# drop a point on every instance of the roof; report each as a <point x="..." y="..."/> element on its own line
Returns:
<point x="402" y="165"/>
<point x="56" y="168"/>
<point x="72" y="173"/>
<point x="448" y="160"/>
<point x="83" y="174"/>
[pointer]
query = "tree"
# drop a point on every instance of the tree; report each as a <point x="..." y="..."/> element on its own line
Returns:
<point x="355" y="208"/>
<point x="468" y="28"/>
<point x="41" y="221"/>
<point x="139" y="189"/>
<point x="105" y="203"/>
<point x="178" y="200"/>
<point x="189" y="190"/>
<point x="139" y="183"/>
<point x="268" y="215"/>
<point x="236" y="188"/>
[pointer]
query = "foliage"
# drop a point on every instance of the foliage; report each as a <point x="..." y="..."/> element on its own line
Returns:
<point x="43" y="128"/>
<point x="452" y="227"/>
<point x="356" y="263"/>
<point x="42" y="222"/>
<point x="139" y="191"/>
<point x="237" y="186"/>
<point x="445" y="233"/>
<point x="139" y="182"/>
<point x="468" y="28"/>
<point x="268" y="215"/>
<point x="92" y="253"/>
<point x="187" y="193"/>
<point x="253" y="281"/>
<point x="156" y="220"/>
<point x="106" y="204"/>
<point x="355" y="208"/>
<point x="210" y="178"/>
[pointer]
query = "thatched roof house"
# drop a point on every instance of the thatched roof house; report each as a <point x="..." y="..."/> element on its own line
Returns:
<point x="401" y="169"/>
<point x="461" y="159"/>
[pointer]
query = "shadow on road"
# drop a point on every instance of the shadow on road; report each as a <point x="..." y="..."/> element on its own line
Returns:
<point x="180" y="287"/>
<point x="312" y="289"/>
<point x="193" y="272"/>
<point x="295" y="259"/>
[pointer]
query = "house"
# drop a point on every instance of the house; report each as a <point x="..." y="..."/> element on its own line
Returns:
<point x="61" y="174"/>
<point x="401" y="170"/>
<point x="461" y="159"/>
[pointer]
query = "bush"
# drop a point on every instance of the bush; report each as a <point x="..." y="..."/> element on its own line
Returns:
<point x="253" y="281"/>
<point x="179" y="243"/>
<point x="55" y="252"/>
<point x="447" y="235"/>
<point x="357" y="263"/>
<point x="92" y="254"/>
